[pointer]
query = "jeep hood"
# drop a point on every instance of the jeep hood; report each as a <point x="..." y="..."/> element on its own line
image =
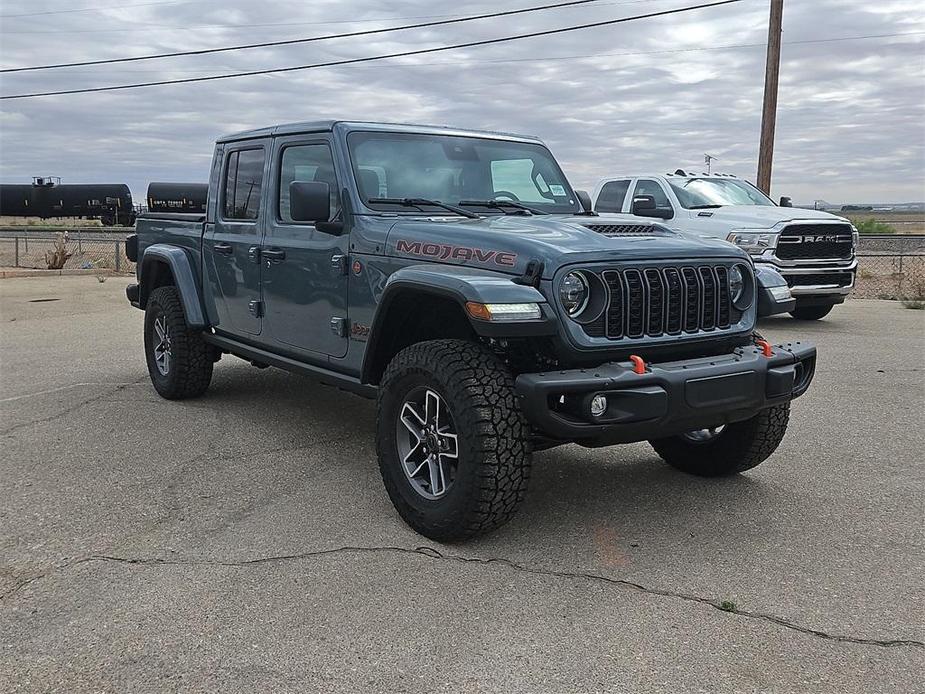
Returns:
<point x="509" y="243"/>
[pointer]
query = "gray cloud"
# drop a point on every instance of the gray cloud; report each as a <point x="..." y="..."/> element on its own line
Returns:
<point x="634" y="97"/>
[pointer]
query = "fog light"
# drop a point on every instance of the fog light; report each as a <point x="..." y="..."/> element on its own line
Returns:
<point x="598" y="405"/>
<point x="781" y="293"/>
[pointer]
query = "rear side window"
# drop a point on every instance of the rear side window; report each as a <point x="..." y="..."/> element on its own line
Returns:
<point x="243" y="184"/>
<point x="650" y="187"/>
<point x="612" y="195"/>
<point x="306" y="163"/>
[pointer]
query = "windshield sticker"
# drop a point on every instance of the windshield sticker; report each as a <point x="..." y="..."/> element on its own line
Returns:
<point x="444" y="252"/>
<point x="557" y="190"/>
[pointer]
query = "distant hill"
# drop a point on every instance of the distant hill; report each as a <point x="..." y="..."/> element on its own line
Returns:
<point x="900" y="207"/>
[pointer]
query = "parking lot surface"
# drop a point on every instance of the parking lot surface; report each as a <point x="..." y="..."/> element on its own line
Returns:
<point x="244" y="542"/>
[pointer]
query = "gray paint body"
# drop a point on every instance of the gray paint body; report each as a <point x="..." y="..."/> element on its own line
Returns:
<point x="303" y="293"/>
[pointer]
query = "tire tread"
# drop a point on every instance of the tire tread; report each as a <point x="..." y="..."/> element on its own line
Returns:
<point x="486" y="414"/>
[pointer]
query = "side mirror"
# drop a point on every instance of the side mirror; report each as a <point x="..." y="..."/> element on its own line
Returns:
<point x="644" y="206"/>
<point x="309" y="201"/>
<point x="643" y="203"/>
<point x="786" y="202"/>
<point x="585" y="199"/>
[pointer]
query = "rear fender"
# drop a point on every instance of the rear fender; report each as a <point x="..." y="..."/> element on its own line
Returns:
<point x="177" y="261"/>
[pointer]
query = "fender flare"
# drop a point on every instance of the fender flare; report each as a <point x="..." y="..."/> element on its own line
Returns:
<point x="183" y="278"/>
<point x="461" y="284"/>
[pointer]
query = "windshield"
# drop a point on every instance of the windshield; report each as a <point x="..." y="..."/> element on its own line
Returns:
<point x="699" y="192"/>
<point x="458" y="171"/>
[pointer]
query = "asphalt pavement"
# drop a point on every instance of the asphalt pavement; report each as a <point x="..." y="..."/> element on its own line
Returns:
<point x="243" y="542"/>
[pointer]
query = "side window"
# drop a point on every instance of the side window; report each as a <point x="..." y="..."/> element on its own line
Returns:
<point x="243" y="184"/>
<point x="650" y="187"/>
<point x="306" y="163"/>
<point x="611" y="196"/>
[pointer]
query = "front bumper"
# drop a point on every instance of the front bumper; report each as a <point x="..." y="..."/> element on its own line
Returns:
<point x="668" y="399"/>
<point x="814" y="277"/>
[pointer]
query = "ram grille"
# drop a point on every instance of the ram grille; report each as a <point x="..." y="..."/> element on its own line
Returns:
<point x="656" y="301"/>
<point x="815" y="241"/>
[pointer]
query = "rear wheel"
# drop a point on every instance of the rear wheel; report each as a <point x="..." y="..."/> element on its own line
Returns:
<point x="179" y="360"/>
<point x="810" y="312"/>
<point x="728" y="449"/>
<point x="452" y="443"/>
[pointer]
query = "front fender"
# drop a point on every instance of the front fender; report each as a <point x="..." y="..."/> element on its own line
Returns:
<point x="183" y="278"/>
<point x="462" y="284"/>
<point x="459" y="285"/>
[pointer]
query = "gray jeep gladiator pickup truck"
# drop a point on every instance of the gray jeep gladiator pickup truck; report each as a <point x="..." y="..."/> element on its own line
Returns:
<point x="457" y="277"/>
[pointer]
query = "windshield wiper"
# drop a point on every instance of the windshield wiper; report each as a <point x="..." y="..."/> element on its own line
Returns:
<point x="704" y="207"/>
<point x="501" y="204"/>
<point x="420" y="202"/>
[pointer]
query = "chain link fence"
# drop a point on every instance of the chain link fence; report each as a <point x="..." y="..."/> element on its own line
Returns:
<point x="891" y="267"/>
<point x="85" y="250"/>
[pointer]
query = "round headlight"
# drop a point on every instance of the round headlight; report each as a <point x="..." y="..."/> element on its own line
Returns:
<point x="573" y="293"/>
<point x="738" y="290"/>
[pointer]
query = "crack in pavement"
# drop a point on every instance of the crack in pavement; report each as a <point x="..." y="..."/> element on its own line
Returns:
<point x="73" y="408"/>
<point x="432" y="553"/>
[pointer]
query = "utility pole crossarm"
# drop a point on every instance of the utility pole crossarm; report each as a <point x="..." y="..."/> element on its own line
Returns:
<point x="769" y="113"/>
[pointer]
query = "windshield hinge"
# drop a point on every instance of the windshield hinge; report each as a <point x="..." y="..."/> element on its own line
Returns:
<point x="532" y="275"/>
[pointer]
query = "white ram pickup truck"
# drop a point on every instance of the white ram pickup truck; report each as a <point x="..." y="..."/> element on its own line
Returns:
<point x="813" y="250"/>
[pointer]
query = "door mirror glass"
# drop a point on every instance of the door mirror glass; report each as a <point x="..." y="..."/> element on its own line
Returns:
<point x="644" y="206"/>
<point x="643" y="203"/>
<point x="309" y="201"/>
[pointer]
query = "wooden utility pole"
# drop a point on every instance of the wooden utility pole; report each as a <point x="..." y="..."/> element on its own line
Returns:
<point x="769" y="115"/>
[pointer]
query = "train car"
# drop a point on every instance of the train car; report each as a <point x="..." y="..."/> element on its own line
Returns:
<point x="177" y="197"/>
<point x="47" y="198"/>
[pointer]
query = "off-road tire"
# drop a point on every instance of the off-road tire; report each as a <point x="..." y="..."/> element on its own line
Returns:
<point x="739" y="447"/>
<point x="493" y="438"/>
<point x="192" y="359"/>
<point x="810" y="312"/>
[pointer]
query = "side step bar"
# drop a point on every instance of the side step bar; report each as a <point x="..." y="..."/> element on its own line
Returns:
<point x="326" y="376"/>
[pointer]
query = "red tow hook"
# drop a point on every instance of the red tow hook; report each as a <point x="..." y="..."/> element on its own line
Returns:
<point x="765" y="347"/>
<point x="639" y="364"/>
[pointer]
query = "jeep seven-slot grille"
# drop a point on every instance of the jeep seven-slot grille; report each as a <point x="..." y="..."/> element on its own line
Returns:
<point x="649" y="302"/>
<point x="815" y="241"/>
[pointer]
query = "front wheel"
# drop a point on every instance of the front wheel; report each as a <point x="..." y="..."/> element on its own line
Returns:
<point x="810" y="312"/>
<point x="452" y="443"/>
<point x="179" y="361"/>
<point x="729" y="449"/>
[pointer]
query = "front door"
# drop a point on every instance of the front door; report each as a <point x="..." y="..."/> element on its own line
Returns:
<point x="304" y="269"/>
<point x="231" y="247"/>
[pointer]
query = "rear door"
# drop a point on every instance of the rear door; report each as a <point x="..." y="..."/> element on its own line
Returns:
<point x="304" y="269"/>
<point x="612" y="195"/>
<point x="231" y="248"/>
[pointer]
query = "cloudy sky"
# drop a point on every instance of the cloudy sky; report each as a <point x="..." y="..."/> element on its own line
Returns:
<point x="648" y="95"/>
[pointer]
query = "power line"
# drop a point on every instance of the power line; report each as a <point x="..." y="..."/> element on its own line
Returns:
<point x="95" y="9"/>
<point x="258" y="25"/>
<point x="584" y="56"/>
<point x="349" y="61"/>
<point x="309" y="39"/>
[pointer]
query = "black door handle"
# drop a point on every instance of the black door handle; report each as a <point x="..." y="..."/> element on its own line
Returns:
<point x="273" y="254"/>
<point x="223" y="248"/>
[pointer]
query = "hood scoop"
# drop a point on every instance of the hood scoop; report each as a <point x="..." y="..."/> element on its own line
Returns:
<point x="629" y="229"/>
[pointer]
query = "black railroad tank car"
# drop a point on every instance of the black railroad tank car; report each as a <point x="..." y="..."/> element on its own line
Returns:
<point x="46" y="198"/>
<point x="177" y="197"/>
